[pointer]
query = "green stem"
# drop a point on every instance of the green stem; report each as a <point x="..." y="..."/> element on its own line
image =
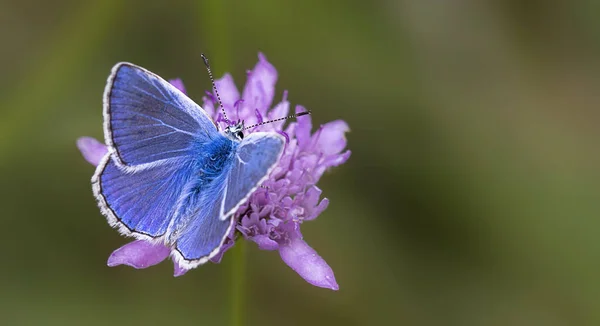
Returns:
<point x="238" y="280"/>
<point x="214" y="29"/>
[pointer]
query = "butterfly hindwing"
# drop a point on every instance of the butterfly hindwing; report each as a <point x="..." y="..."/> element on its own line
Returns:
<point x="253" y="161"/>
<point x="146" y="119"/>
<point x="201" y="233"/>
<point x="141" y="203"/>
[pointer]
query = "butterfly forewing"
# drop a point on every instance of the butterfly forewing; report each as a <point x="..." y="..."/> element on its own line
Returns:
<point x="149" y="120"/>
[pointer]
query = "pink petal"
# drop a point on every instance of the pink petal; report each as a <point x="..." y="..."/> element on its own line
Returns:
<point x="303" y="128"/>
<point x="319" y="209"/>
<point x="139" y="254"/>
<point x="178" y="83"/>
<point x="226" y="246"/>
<point x="264" y="242"/>
<point x="308" y="264"/>
<point x="336" y="160"/>
<point x="312" y="205"/>
<point x="311" y="197"/>
<point x="332" y="139"/>
<point x="92" y="150"/>
<point x="330" y="161"/>
<point x="260" y="87"/>
<point x="228" y="92"/>
<point x="279" y="111"/>
<point x="209" y="107"/>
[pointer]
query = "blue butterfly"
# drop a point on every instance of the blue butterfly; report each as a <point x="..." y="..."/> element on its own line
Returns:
<point x="170" y="176"/>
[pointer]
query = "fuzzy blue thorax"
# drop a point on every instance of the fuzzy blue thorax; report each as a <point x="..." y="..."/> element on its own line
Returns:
<point x="216" y="156"/>
<point x="213" y="159"/>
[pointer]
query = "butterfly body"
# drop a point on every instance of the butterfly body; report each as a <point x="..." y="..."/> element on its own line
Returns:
<point x="170" y="175"/>
<point x="213" y="158"/>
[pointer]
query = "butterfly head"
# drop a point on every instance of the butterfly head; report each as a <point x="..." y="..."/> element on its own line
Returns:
<point x="235" y="131"/>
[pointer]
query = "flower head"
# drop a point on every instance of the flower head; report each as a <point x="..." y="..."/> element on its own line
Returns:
<point x="274" y="213"/>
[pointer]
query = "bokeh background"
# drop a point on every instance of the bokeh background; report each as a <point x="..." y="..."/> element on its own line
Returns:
<point x="471" y="198"/>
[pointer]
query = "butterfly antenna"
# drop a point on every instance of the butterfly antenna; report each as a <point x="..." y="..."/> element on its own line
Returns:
<point x="214" y="85"/>
<point x="284" y="118"/>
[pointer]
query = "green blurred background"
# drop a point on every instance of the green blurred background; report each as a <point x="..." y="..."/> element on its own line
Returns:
<point x="471" y="198"/>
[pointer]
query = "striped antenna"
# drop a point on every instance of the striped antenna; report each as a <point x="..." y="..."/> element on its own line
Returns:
<point x="214" y="85"/>
<point x="285" y="118"/>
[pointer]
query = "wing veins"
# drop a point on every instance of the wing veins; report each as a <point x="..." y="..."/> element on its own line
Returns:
<point x="164" y="124"/>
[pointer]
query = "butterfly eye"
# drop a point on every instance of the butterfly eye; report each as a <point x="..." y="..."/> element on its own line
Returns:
<point x="240" y="135"/>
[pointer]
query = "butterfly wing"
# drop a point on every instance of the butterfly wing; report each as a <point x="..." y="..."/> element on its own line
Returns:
<point x="211" y="213"/>
<point x="255" y="158"/>
<point x="201" y="235"/>
<point x="141" y="203"/>
<point x="151" y="129"/>
<point x="147" y="120"/>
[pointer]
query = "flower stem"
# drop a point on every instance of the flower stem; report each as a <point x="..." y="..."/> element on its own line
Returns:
<point x="238" y="281"/>
<point x="214" y="29"/>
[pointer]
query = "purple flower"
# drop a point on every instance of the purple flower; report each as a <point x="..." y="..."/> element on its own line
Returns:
<point x="273" y="215"/>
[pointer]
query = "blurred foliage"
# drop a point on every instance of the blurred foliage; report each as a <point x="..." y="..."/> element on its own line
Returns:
<point x="472" y="196"/>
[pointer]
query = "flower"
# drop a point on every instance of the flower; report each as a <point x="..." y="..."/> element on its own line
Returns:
<point x="273" y="214"/>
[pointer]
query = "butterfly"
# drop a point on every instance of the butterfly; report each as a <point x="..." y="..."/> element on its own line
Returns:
<point x="170" y="175"/>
